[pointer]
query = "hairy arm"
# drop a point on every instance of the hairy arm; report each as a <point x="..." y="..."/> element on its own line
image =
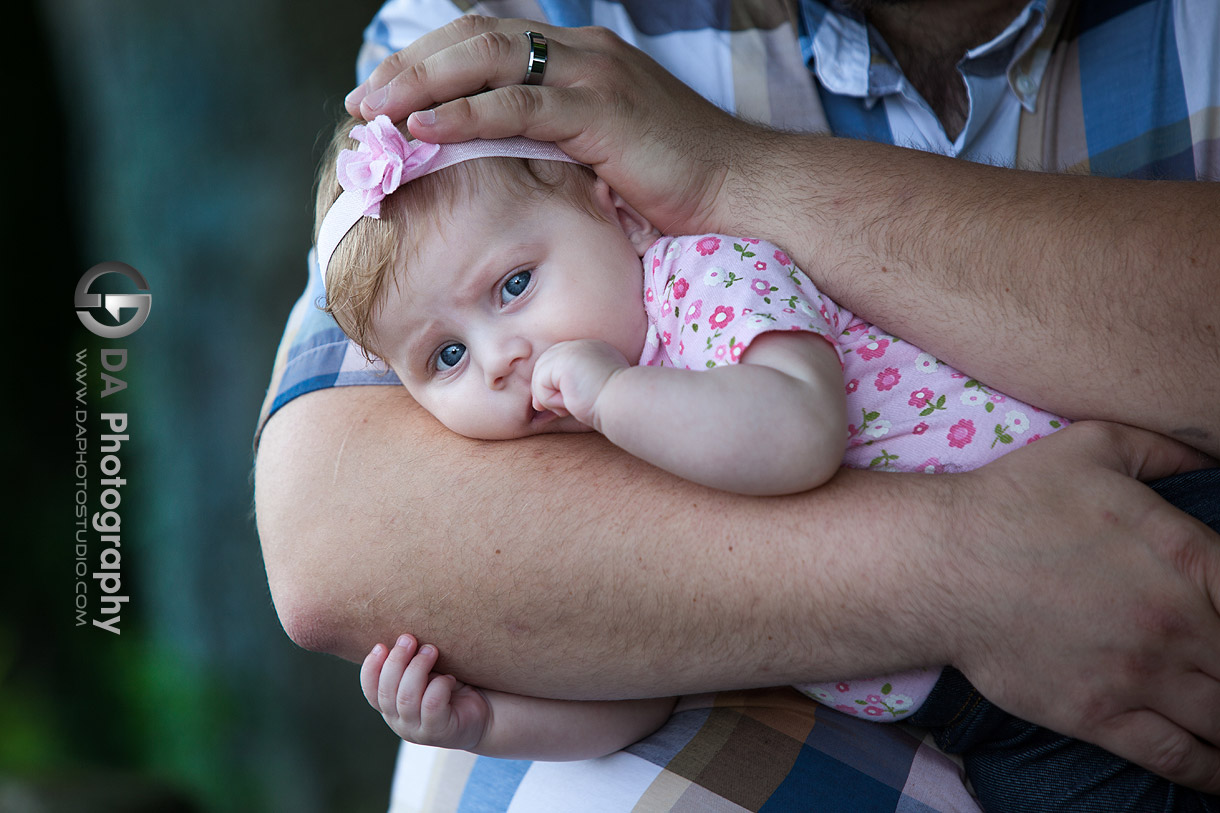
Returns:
<point x="1090" y="297"/>
<point x="519" y="560"/>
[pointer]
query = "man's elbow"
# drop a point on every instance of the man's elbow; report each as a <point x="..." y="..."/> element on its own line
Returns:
<point x="309" y="624"/>
<point x="310" y="621"/>
<point x="297" y="546"/>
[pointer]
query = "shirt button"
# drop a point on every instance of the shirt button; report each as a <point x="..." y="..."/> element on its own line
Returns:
<point x="1025" y="84"/>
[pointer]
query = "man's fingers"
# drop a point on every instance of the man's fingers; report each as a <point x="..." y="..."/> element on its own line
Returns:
<point x="1196" y="705"/>
<point x="468" y="67"/>
<point x="489" y="57"/>
<point x="460" y="30"/>
<point x="1153" y="742"/>
<point x="422" y="48"/>
<point x="1149" y="456"/>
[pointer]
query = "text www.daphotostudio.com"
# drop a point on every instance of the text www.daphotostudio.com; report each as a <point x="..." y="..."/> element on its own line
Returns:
<point x="98" y="520"/>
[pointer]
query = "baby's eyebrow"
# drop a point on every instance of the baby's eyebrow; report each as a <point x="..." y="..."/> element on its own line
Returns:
<point x="416" y="344"/>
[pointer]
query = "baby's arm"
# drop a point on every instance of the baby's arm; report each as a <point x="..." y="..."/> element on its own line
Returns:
<point x="773" y="424"/>
<point x="431" y="709"/>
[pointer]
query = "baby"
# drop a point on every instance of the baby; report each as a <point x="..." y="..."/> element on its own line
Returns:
<point x="514" y="293"/>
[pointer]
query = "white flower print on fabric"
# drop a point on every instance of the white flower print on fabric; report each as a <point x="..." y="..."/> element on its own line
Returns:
<point x="806" y="308"/>
<point x="926" y="363"/>
<point x="973" y="398"/>
<point x="1017" y="422"/>
<point x="878" y="429"/>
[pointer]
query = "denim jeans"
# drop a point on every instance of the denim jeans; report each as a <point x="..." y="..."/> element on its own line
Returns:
<point x="1018" y="766"/>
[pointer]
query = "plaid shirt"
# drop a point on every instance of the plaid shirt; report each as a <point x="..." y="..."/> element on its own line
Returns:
<point x="1122" y="88"/>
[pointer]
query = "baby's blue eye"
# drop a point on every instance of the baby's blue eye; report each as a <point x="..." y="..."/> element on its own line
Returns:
<point x="449" y="356"/>
<point x="515" y="286"/>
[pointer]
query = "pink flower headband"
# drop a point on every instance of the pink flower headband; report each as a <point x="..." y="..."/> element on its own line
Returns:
<point x="386" y="160"/>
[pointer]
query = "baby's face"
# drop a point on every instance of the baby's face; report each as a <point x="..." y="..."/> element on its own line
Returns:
<point x="495" y="285"/>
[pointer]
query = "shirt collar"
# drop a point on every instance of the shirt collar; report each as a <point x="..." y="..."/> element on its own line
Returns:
<point x="849" y="57"/>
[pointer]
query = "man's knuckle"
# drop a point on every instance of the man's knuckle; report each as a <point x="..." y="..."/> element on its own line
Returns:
<point x="491" y="46"/>
<point x="1172" y="757"/>
<point x="470" y="25"/>
<point x="520" y="102"/>
<point x="602" y="36"/>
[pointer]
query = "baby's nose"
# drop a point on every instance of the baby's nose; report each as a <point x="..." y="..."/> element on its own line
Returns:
<point x="507" y="358"/>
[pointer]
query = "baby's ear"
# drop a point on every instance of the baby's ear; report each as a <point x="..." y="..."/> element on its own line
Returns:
<point x="635" y="226"/>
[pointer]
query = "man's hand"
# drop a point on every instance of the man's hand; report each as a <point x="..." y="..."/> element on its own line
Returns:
<point x="663" y="147"/>
<point x="1138" y="674"/>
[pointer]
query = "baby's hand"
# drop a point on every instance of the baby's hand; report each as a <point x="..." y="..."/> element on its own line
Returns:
<point x="569" y="376"/>
<point x="420" y="706"/>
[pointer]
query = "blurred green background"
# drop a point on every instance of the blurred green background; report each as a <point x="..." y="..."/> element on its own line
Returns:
<point x="179" y="138"/>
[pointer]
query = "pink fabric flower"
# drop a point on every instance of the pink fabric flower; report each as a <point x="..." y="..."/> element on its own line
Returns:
<point x="846" y="709"/>
<point x="735" y="352"/>
<point x="843" y="686"/>
<point x="961" y="433"/>
<point x="853" y="385"/>
<point x="760" y="266"/>
<point x="874" y="350"/>
<point x="887" y="379"/>
<point x="920" y="428"/>
<point x="751" y="240"/>
<point x="383" y="162"/>
<point x="708" y="245"/>
<point x="722" y="316"/>
<point x="666" y="336"/>
<point x="681" y="286"/>
<point x="1031" y="440"/>
<point x="760" y="286"/>
<point x="781" y="257"/>
<point x="648" y="295"/>
<point x="694" y="311"/>
<point x="920" y="397"/>
<point x="721" y="350"/>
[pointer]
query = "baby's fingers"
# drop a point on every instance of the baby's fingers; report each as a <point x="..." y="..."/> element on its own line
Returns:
<point x="414" y="683"/>
<point x="393" y="674"/>
<point x="436" y="710"/>
<point x="370" y="672"/>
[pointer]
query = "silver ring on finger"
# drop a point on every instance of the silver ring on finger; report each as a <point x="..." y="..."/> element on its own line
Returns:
<point x="536" y="67"/>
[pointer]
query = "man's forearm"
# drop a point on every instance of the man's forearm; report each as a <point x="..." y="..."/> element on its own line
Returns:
<point x="562" y="566"/>
<point x="1090" y="297"/>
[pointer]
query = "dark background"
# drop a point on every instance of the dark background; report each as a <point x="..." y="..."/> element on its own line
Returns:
<point x="180" y="139"/>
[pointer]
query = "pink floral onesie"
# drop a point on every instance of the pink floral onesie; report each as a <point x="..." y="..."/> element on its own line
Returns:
<point x="707" y="297"/>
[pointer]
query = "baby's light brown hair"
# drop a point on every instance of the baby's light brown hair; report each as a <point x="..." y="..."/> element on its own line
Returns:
<point x="370" y="254"/>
